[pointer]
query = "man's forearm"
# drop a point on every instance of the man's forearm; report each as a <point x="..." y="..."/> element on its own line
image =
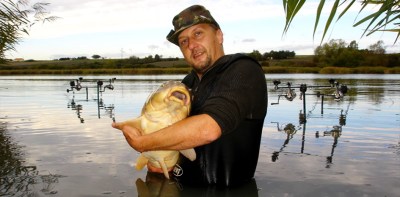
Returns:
<point x="188" y="133"/>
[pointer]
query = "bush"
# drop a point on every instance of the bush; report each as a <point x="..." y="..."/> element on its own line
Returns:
<point x="335" y="70"/>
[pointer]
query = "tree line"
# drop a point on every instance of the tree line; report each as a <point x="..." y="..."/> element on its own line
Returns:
<point x="132" y="59"/>
<point x="276" y="55"/>
<point x="335" y="53"/>
<point x="338" y="53"/>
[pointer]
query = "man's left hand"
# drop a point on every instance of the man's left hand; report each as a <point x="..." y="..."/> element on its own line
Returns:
<point x="131" y="134"/>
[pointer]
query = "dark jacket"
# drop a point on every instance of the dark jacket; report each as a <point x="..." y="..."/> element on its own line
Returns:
<point x="234" y="93"/>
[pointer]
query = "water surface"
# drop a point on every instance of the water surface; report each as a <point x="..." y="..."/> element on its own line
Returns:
<point x="59" y="143"/>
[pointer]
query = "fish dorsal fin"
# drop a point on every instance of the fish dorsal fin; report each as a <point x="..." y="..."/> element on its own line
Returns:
<point x="189" y="153"/>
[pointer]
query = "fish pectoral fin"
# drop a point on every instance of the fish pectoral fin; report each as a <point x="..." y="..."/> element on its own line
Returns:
<point x="189" y="153"/>
<point x="141" y="162"/>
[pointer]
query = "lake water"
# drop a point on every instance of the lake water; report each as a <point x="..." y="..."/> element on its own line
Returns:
<point x="59" y="143"/>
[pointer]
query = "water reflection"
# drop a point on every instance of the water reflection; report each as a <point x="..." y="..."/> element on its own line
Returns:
<point x="16" y="177"/>
<point x="336" y="132"/>
<point x="101" y="106"/>
<point x="77" y="106"/>
<point x="290" y="130"/>
<point x="157" y="185"/>
<point x="249" y="189"/>
<point x="49" y="183"/>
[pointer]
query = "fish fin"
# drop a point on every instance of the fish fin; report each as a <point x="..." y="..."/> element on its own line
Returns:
<point x="141" y="162"/>
<point x="189" y="153"/>
<point x="164" y="168"/>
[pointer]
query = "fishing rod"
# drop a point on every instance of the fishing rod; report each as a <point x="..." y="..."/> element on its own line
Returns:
<point x="290" y="94"/>
<point x="77" y="85"/>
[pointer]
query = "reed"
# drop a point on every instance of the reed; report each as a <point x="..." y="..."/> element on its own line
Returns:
<point x="360" y="70"/>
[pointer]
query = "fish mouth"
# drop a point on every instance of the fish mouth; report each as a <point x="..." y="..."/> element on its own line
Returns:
<point x="181" y="95"/>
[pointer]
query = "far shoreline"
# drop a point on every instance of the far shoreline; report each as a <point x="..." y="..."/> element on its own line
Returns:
<point x="299" y="64"/>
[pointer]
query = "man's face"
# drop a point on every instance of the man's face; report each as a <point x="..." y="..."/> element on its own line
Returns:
<point x="201" y="45"/>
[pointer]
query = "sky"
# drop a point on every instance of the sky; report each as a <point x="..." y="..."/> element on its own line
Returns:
<point x="124" y="28"/>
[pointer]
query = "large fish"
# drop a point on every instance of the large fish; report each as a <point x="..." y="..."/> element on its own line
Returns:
<point x="168" y="104"/>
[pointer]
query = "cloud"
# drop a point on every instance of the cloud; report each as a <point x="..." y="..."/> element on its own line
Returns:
<point x="94" y="16"/>
<point x="249" y="40"/>
<point x="77" y="17"/>
<point x="153" y="47"/>
<point x="298" y="47"/>
<point x="140" y="27"/>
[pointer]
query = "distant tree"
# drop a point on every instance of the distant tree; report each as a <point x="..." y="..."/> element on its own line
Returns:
<point x="332" y="48"/>
<point x="393" y="60"/>
<point x="82" y="58"/>
<point x="290" y="54"/>
<point x="279" y="55"/>
<point x="157" y="57"/>
<point x="375" y="55"/>
<point x="377" y="48"/>
<point x="266" y="56"/>
<point x="149" y="58"/>
<point x="15" y="20"/>
<point x="353" y="45"/>
<point x="338" y="53"/>
<point x="96" y="56"/>
<point x="348" y="57"/>
<point x="275" y="55"/>
<point x="256" y="55"/>
<point x="328" y="52"/>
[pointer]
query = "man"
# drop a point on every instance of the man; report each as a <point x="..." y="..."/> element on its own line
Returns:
<point x="228" y="109"/>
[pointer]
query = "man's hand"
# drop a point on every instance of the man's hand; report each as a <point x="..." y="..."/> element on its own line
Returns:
<point x="131" y="134"/>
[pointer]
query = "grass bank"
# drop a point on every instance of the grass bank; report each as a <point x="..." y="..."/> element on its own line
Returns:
<point x="300" y="64"/>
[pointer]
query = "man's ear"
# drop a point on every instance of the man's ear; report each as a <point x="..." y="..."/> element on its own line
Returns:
<point x="220" y="36"/>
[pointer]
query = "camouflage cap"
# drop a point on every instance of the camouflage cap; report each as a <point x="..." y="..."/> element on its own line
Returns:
<point x="190" y="16"/>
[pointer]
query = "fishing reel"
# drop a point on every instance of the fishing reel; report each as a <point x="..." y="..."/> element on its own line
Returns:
<point x="76" y="84"/>
<point x="290" y="93"/>
<point x="108" y="86"/>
